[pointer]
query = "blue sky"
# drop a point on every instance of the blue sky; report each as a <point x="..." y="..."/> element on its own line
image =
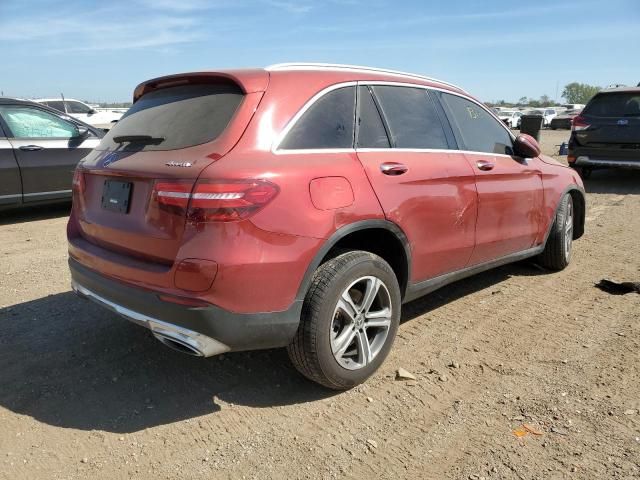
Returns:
<point x="495" y="49"/>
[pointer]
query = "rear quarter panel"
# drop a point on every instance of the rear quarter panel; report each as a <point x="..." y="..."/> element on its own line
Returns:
<point x="557" y="179"/>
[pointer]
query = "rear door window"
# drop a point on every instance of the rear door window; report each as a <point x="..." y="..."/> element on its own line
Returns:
<point x="77" y="107"/>
<point x="57" y="104"/>
<point x="371" y="131"/>
<point x="412" y="117"/>
<point x="175" y="117"/>
<point x="624" y="104"/>
<point x="328" y="123"/>
<point x="476" y="129"/>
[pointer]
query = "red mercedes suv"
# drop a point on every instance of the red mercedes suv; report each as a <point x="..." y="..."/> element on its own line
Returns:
<point x="302" y="204"/>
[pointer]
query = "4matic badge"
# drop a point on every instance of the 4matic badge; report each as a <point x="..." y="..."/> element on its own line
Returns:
<point x="178" y="164"/>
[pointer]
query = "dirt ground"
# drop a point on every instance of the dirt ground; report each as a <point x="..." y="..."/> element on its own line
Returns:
<point x="84" y="394"/>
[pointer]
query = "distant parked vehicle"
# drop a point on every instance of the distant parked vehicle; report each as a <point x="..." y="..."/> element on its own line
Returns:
<point x="39" y="150"/>
<point x="564" y="120"/>
<point x="606" y="134"/>
<point x="510" y="117"/>
<point x="547" y="114"/>
<point x="82" y="111"/>
<point x="573" y="106"/>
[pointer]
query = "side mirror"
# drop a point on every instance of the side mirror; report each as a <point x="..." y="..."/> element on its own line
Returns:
<point x="92" y="111"/>
<point x="82" y="131"/>
<point x="526" y="146"/>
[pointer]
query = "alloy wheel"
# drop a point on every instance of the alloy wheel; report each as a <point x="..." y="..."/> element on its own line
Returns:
<point x="361" y="322"/>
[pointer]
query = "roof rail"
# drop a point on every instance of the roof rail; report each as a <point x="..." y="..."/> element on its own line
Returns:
<point x="341" y="67"/>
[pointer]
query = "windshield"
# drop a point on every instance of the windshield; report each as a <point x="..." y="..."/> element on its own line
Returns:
<point x="623" y="104"/>
<point x="175" y="117"/>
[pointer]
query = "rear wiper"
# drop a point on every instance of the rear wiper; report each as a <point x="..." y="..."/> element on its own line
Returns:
<point x="138" y="139"/>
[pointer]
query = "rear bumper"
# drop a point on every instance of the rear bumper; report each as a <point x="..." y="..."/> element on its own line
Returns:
<point x="587" y="161"/>
<point x="203" y="331"/>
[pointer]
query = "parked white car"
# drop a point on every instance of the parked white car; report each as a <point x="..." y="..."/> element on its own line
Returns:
<point x="510" y="117"/>
<point x="103" y="118"/>
<point x="547" y="114"/>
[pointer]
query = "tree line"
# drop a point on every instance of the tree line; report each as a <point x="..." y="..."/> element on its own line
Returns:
<point x="573" y="92"/>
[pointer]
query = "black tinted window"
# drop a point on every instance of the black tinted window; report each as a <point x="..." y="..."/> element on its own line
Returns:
<point x="77" y="107"/>
<point x="412" y="118"/>
<point x="479" y="131"/>
<point x="371" y="132"/>
<point x="179" y="117"/>
<point x="328" y="123"/>
<point x="614" y="105"/>
<point x="58" y="105"/>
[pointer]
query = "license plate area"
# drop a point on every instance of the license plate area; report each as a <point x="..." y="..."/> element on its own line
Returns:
<point x="116" y="196"/>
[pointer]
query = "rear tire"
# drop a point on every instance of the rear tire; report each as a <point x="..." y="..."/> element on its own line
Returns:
<point x="557" y="252"/>
<point x="349" y="320"/>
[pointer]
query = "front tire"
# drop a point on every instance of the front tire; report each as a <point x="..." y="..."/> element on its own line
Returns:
<point x="557" y="252"/>
<point x="349" y="320"/>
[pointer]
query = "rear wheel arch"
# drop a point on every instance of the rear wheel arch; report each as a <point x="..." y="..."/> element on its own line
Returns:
<point x="579" y="205"/>
<point x="380" y="237"/>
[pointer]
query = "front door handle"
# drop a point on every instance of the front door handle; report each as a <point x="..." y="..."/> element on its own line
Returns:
<point x="393" y="168"/>
<point x="31" y="148"/>
<point x="485" y="165"/>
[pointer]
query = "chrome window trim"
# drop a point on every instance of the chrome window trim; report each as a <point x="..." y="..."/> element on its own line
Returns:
<point x="275" y="149"/>
<point x="4" y="197"/>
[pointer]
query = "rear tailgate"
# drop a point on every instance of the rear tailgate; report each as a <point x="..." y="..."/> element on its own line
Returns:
<point x="612" y="122"/>
<point x="175" y="129"/>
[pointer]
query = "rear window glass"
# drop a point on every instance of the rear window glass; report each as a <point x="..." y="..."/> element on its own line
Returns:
<point x="328" y="123"/>
<point x="176" y="117"/>
<point x="412" y="117"/>
<point x="614" y="105"/>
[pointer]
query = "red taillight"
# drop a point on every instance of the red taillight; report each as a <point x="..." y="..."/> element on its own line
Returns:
<point x="579" y="123"/>
<point x="214" y="201"/>
<point x="78" y="185"/>
<point x="172" y="194"/>
<point x="227" y="201"/>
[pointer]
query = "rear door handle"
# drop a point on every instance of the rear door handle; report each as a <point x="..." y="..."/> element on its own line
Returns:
<point x="31" y="148"/>
<point x="485" y="165"/>
<point x="393" y="168"/>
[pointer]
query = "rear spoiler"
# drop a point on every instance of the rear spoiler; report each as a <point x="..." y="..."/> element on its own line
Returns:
<point x="249" y="81"/>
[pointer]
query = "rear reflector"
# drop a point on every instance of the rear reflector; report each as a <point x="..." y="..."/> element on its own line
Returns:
<point x="195" y="275"/>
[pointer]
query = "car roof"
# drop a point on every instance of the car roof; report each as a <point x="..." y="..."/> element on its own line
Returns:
<point x="56" y="100"/>
<point x="17" y="101"/>
<point x="362" y="72"/>
<point x="257" y="79"/>
<point x="621" y="90"/>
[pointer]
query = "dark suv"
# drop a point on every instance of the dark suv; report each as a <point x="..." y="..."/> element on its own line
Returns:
<point x="607" y="132"/>
<point x="301" y="205"/>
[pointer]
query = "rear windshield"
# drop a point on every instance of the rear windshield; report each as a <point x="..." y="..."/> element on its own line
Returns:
<point x="175" y="117"/>
<point x="625" y="104"/>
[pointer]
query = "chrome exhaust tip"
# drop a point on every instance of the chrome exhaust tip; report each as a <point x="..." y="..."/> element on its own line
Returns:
<point x="178" y="345"/>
